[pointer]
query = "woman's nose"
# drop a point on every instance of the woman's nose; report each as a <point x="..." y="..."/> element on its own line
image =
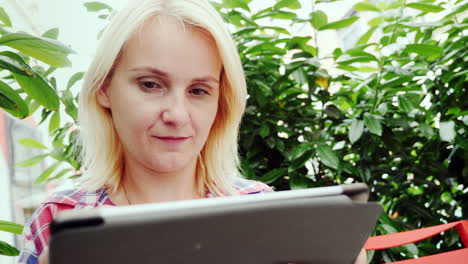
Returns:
<point x="176" y="110"/>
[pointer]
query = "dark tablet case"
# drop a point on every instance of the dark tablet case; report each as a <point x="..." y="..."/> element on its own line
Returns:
<point x="305" y="228"/>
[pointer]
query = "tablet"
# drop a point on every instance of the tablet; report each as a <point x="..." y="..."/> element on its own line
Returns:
<point x="319" y="225"/>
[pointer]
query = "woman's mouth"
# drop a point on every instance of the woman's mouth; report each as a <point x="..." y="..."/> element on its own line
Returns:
<point x="172" y="139"/>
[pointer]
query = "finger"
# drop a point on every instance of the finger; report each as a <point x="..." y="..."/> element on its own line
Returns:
<point x="44" y="258"/>
<point x="362" y="257"/>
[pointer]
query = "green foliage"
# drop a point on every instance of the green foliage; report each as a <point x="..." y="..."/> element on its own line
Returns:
<point x="8" y="250"/>
<point x="4" y="17"/>
<point x="5" y="248"/>
<point x="37" y="90"/>
<point x="97" y="6"/>
<point x="47" y="50"/>
<point x="11" y="227"/>
<point x="394" y="117"/>
<point x="388" y="113"/>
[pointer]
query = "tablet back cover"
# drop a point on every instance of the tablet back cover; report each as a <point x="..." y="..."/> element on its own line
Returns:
<point x="319" y="230"/>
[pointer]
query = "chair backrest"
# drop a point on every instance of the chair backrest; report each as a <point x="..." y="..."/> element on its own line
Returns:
<point x="459" y="256"/>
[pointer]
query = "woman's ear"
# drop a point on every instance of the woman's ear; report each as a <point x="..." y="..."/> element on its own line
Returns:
<point x="103" y="94"/>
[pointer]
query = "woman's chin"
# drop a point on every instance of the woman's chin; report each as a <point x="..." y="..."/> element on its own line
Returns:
<point x="170" y="164"/>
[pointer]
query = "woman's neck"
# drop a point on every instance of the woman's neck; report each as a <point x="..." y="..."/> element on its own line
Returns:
<point x="142" y="185"/>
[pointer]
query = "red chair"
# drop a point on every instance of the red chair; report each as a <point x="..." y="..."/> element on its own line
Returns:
<point x="459" y="256"/>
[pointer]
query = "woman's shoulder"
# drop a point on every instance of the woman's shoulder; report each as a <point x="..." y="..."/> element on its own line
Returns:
<point x="245" y="186"/>
<point x="36" y="232"/>
<point x="79" y="198"/>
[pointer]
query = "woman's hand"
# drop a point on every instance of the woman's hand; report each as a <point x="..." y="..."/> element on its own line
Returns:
<point x="361" y="259"/>
<point x="44" y="258"/>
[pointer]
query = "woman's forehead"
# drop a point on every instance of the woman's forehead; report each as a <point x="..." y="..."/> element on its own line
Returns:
<point x="169" y="44"/>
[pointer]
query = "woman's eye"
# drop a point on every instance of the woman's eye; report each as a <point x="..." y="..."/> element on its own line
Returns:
<point x="149" y="85"/>
<point x="198" y="91"/>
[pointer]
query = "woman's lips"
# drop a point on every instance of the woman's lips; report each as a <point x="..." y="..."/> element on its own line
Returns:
<point x="172" y="140"/>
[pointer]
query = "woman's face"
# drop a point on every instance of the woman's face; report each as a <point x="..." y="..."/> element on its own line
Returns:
<point x="163" y="94"/>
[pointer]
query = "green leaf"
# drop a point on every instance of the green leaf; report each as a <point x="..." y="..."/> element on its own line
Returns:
<point x="33" y="106"/>
<point x="97" y="6"/>
<point x="76" y="77"/>
<point x="279" y="144"/>
<point x="301" y="43"/>
<point x="32" y="161"/>
<point x="426" y="130"/>
<point x="298" y="182"/>
<point x="19" y="107"/>
<point x="277" y="29"/>
<point x="6" y="103"/>
<point x="367" y="69"/>
<point x="405" y="104"/>
<point x="376" y="21"/>
<point x="273" y="175"/>
<point x="357" y="59"/>
<point x="61" y="174"/>
<point x="283" y="15"/>
<point x="51" y="33"/>
<point x="299" y="162"/>
<point x="46" y="173"/>
<point x="298" y="151"/>
<point x="11" y="227"/>
<point x="327" y="156"/>
<point x="426" y="7"/>
<point x="446" y="197"/>
<point x="431" y="51"/>
<point x="388" y="229"/>
<point x="333" y="112"/>
<point x="247" y="170"/>
<point x="31" y="143"/>
<point x="326" y="1"/>
<point x="8" y="250"/>
<point x="355" y="130"/>
<point x="45" y="113"/>
<point x="347" y="67"/>
<point x="14" y="63"/>
<point x="264" y="131"/>
<point x="365" y="38"/>
<point x="39" y="90"/>
<point x="412" y="249"/>
<point x="47" y="50"/>
<point x="373" y="124"/>
<point x="366" y="6"/>
<point x="4" y="17"/>
<point x="340" y="23"/>
<point x="54" y="122"/>
<point x="291" y="4"/>
<point x="236" y="4"/>
<point x="318" y="19"/>
<point x="447" y="131"/>
<point x="70" y="107"/>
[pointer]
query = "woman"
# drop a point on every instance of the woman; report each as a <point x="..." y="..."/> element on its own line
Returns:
<point x="159" y="114"/>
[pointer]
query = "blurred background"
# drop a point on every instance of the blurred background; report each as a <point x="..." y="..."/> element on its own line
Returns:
<point x="339" y="92"/>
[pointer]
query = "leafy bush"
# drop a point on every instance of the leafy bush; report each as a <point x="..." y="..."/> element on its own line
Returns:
<point x="37" y="90"/>
<point x="394" y="116"/>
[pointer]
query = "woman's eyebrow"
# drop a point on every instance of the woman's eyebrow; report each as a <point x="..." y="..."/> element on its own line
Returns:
<point x="206" y="79"/>
<point x="151" y="70"/>
<point x="166" y="75"/>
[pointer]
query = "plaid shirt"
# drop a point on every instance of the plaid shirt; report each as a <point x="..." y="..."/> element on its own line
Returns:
<point x="36" y="232"/>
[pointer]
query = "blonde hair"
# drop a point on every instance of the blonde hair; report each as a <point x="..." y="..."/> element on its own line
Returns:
<point x="102" y="153"/>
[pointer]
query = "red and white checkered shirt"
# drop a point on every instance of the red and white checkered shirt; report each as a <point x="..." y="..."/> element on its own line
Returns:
<point x="36" y="232"/>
